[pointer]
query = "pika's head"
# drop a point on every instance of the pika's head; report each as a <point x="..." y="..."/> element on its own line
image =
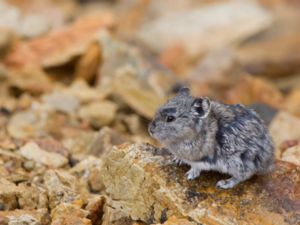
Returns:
<point x="180" y="119"/>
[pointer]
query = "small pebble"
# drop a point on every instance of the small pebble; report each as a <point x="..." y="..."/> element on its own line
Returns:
<point x="29" y="165"/>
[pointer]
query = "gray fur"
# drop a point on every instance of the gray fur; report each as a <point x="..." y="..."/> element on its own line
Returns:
<point x="208" y="135"/>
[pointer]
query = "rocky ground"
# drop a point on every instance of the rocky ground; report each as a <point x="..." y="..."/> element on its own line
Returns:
<point x="80" y="81"/>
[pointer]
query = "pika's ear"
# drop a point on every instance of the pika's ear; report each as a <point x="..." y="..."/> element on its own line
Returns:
<point x="184" y="91"/>
<point x="201" y="107"/>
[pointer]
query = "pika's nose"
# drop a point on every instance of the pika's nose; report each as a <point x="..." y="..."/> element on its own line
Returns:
<point x="151" y="127"/>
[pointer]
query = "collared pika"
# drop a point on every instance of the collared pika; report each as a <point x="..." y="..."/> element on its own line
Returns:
<point x="208" y="135"/>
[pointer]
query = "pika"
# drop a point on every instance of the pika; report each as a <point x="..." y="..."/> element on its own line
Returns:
<point x="208" y="135"/>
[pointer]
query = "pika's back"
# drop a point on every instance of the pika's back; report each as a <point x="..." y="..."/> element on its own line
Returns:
<point x="241" y="131"/>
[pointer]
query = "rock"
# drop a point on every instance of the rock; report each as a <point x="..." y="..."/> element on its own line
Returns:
<point x="25" y="124"/>
<point x="65" y="214"/>
<point x="95" y="209"/>
<point x="113" y="216"/>
<point x="4" y="220"/>
<point x="49" y="144"/>
<point x="88" y="170"/>
<point x="202" y="29"/>
<point x="292" y="155"/>
<point x="39" y="121"/>
<point x="133" y="123"/>
<point x="144" y="187"/>
<point x="11" y="168"/>
<point x="34" y="152"/>
<point x="284" y="127"/>
<point x="158" y="9"/>
<point x="98" y="113"/>
<point x="8" y="195"/>
<point x="134" y="77"/>
<point x="26" y="217"/>
<point x="32" y="80"/>
<point x="176" y="59"/>
<point x="86" y="94"/>
<point x="4" y="73"/>
<point x="97" y="143"/>
<point x="30" y="23"/>
<point x="274" y="56"/>
<point x="218" y="68"/>
<point x="288" y="144"/>
<point x="214" y="73"/>
<point x="5" y="37"/>
<point x="292" y="102"/>
<point x="60" y="45"/>
<point x="61" y="102"/>
<point x="288" y="83"/>
<point x="32" y="196"/>
<point x="94" y="181"/>
<point x="143" y="101"/>
<point x="62" y="187"/>
<point x="89" y="63"/>
<point x="175" y="221"/>
<point x="248" y="90"/>
<point x="29" y="165"/>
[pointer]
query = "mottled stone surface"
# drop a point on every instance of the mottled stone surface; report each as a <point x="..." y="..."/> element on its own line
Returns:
<point x="284" y="127"/>
<point x="66" y="214"/>
<point x="62" y="187"/>
<point x="33" y="152"/>
<point x="141" y="184"/>
<point x="25" y="217"/>
<point x="8" y="194"/>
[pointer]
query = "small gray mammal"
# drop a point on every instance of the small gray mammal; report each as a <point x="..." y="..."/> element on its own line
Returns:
<point x="208" y="135"/>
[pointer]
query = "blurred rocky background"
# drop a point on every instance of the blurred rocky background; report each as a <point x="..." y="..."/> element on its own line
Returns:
<point x="79" y="77"/>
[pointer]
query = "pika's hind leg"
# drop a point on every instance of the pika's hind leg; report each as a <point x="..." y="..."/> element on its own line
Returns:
<point x="239" y="170"/>
<point x="229" y="183"/>
<point x="196" y="168"/>
<point x="193" y="173"/>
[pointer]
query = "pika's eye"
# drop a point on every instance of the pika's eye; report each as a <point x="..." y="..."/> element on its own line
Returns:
<point x="170" y="119"/>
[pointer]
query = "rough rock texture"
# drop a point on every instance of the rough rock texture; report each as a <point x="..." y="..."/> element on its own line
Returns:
<point x="32" y="151"/>
<point x="141" y="184"/>
<point x="175" y="221"/>
<point x="62" y="187"/>
<point x="8" y="194"/>
<point x="25" y="217"/>
<point x="284" y="127"/>
<point x="88" y="170"/>
<point x="32" y="196"/>
<point x="65" y="214"/>
<point x="94" y="143"/>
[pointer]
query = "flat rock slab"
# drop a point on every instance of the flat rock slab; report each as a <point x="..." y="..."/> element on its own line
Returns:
<point x="145" y="187"/>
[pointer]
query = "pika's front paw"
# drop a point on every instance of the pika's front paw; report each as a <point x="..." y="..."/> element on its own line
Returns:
<point x="226" y="184"/>
<point x="177" y="161"/>
<point x="192" y="173"/>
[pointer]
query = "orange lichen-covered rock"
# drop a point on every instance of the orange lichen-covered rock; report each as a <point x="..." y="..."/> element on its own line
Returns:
<point x="141" y="184"/>
<point x="60" y="45"/>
